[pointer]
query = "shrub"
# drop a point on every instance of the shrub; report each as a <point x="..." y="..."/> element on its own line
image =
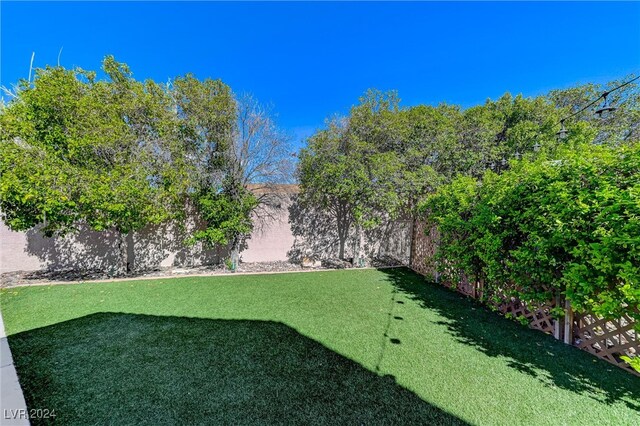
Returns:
<point x="564" y="226"/>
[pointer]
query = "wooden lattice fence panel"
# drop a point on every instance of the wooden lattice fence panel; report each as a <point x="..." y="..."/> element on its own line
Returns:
<point x="539" y="317"/>
<point x="607" y="339"/>
<point x="603" y="338"/>
<point x="423" y="249"/>
<point x="465" y="286"/>
<point x="424" y="246"/>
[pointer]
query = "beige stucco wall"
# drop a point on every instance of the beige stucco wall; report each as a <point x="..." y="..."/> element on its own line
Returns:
<point x="283" y="232"/>
<point x="270" y="242"/>
<point x="30" y="251"/>
<point x="13" y="255"/>
<point x="153" y="247"/>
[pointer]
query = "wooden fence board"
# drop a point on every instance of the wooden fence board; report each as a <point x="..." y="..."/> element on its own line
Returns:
<point x="606" y="339"/>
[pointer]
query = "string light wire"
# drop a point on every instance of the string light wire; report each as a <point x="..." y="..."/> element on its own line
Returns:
<point x="602" y="95"/>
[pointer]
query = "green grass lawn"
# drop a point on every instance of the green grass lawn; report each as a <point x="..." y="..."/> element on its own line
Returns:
<point x="343" y="347"/>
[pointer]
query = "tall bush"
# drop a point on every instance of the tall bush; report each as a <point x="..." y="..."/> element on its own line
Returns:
<point x="566" y="226"/>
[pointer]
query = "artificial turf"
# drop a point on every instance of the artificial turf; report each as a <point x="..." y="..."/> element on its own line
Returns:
<point x="342" y="347"/>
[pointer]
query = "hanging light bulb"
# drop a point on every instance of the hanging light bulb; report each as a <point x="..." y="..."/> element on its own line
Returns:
<point x="563" y="132"/>
<point x="503" y="161"/>
<point x="517" y="155"/>
<point x="536" y="147"/>
<point x="605" y="109"/>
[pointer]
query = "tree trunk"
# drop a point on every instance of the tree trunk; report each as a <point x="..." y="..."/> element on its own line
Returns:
<point x="343" y="234"/>
<point x="342" y="241"/>
<point x="343" y="230"/>
<point x="356" y="247"/>
<point x="122" y="254"/>
<point x="361" y="254"/>
<point x="131" y="266"/>
<point x="235" y="253"/>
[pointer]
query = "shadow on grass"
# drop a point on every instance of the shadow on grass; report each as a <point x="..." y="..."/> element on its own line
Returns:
<point x="137" y="369"/>
<point x="526" y="350"/>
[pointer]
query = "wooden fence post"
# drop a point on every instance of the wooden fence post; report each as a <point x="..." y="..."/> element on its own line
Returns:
<point x="411" y="246"/>
<point x="558" y="326"/>
<point x="568" y="323"/>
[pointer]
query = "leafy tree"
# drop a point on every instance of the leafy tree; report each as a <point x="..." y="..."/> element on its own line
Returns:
<point x="76" y="150"/>
<point x="243" y="147"/>
<point x="37" y="180"/>
<point x="119" y="154"/>
<point x="139" y="176"/>
<point x="259" y="158"/>
<point x="228" y="216"/>
<point x="564" y="225"/>
<point x="619" y="127"/>
<point x="205" y="111"/>
<point x="381" y="161"/>
<point x="332" y="179"/>
<point x="511" y="127"/>
<point x="350" y="170"/>
<point x="400" y="152"/>
<point x="431" y="140"/>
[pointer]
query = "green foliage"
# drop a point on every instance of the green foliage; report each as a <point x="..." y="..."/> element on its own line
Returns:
<point x="206" y="113"/>
<point x="229" y="143"/>
<point x="229" y="263"/>
<point x="335" y="173"/>
<point x="227" y="216"/>
<point x="79" y="150"/>
<point x="619" y="127"/>
<point x="35" y="189"/>
<point x="357" y="169"/>
<point x="119" y="154"/>
<point x="382" y="160"/>
<point x="36" y="178"/>
<point x="633" y="362"/>
<point x="564" y="225"/>
<point x="75" y="150"/>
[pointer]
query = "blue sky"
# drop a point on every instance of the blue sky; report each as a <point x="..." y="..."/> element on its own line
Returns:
<point x="311" y="60"/>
